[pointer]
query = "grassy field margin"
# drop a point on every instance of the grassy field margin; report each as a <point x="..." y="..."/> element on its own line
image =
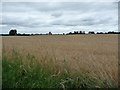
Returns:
<point x="18" y="74"/>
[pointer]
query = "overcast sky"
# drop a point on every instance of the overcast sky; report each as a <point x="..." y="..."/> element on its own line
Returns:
<point x="59" y="17"/>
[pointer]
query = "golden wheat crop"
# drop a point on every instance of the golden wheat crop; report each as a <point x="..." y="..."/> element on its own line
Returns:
<point x="96" y="55"/>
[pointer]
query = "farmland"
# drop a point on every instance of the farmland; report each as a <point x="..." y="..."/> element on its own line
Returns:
<point x="95" y="56"/>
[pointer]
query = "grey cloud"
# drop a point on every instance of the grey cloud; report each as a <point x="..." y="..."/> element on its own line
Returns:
<point x="90" y="19"/>
<point x="26" y="22"/>
<point x="43" y="14"/>
<point x="61" y="6"/>
<point x="57" y="14"/>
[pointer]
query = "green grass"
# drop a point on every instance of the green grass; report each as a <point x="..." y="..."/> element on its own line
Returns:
<point x="18" y="74"/>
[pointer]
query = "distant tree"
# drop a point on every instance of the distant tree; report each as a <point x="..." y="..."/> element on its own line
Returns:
<point x="106" y="32"/>
<point x="111" y="32"/>
<point x="50" y="33"/>
<point x="75" y="32"/>
<point x="100" y="33"/>
<point x="70" y="32"/>
<point x="13" y="32"/>
<point x="91" y="32"/>
<point x="36" y="34"/>
<point x="80" y="32"/>
<point x="83" y="32"/>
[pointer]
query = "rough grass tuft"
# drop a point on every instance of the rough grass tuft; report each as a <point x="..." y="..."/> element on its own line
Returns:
<point x="18" y="74"/>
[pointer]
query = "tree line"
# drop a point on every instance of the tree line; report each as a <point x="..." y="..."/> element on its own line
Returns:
<point x="13" y="32"/>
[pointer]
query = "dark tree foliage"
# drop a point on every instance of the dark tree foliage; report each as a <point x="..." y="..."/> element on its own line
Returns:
<point x="112" y="32"/>
<point x="75" y="32"/>
<point x="100" y="33"/>
<point x="82" y="32"/>
<point x="91" y="32"/>
<point x="13" y="32"/>
<point x="50" y="33"/>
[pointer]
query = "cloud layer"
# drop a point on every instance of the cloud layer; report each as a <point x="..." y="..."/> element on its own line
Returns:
<point x="59" y="17"/>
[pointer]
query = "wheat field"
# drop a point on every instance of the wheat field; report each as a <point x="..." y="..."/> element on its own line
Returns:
<point x="96" y="55"/>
